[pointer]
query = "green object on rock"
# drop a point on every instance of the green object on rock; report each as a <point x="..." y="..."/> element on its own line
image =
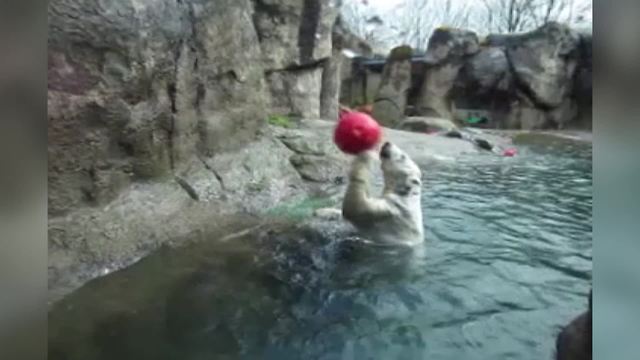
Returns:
<point x="280" y="120"/>
<point x="473" y="120"/>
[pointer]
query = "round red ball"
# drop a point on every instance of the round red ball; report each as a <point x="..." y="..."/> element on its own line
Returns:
<point x="510" y="152"/>
<point x="356" y="132"/>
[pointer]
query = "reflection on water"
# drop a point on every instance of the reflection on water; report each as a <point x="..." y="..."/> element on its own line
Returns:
<point x="507" y="260"/>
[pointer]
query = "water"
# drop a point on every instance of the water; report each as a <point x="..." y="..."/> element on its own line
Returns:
<point x="506" y="262"/>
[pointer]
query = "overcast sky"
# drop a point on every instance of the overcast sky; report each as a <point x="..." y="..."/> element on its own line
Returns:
<point x="382" y="6"/>
<point x="399" y="23"/>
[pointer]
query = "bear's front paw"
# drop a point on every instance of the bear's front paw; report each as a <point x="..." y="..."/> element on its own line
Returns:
<point x="367" y="156"/>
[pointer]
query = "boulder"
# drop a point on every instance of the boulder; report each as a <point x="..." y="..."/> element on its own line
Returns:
<point x="446" y="53"/>
<point x="447" y="43"/>
<point x="130" y="84"/>
<point x="434" y="98"/>
<point x="391" y="99"/>
<point x="488" y="70"/>
<point x="427" y="124"/>
<point x="544" y="63"/>
<point x="294" y="32"/>
<point x="484" y="87"/>
<point x="536" y="80"/>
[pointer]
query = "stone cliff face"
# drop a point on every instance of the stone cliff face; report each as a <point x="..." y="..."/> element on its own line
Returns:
<point x="136" y="88"/>
<point x="142" y="93"/>
<point x="296" y="39"/>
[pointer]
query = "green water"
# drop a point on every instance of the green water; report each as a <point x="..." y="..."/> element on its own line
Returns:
<point x="506" y="262"/>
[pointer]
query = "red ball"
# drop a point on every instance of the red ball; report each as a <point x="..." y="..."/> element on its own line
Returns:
<point x="356" y="132"/>
<point x="510" y="152"/>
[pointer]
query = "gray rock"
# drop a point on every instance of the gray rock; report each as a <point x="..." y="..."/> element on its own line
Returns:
<point x="535" y="80"/>
<point x="296" y="92"/>
<point x="449" y="43"/>
<point x="427" y="124"/>
<point x="544" y="62"/>
<point x="320" y="169"/>
<point x="131" y="84"/>
<point x="565" y="114"/>
<point x="446" y="52"/>
<point x="488" y="70"/>
<point x="294" y="32"/>
<point x="305" y="145"/>
<point x="434" y="100"/>
<point x="89" y="242"/>
<point x="391" y="99"/>
<point x="483" y="144"/>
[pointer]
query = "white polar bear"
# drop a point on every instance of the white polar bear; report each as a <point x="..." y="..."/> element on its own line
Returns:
<point x="396" y="216"/>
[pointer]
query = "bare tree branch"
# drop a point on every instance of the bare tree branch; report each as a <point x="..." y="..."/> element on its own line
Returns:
<point x="415" y="21"/>
<point x="507" y="16"/>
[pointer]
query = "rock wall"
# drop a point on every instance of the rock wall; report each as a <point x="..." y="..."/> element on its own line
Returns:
<point x="446" y="52"/>
<point x="137" y="88"/>
<point x="296" y="41"/>
<point x="535" y="80"/>
<point x="528" y="81"/>
<point x="154" y="104"/>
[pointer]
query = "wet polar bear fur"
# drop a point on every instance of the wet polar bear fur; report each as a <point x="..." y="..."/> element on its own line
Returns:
<point x="396" y="216"/>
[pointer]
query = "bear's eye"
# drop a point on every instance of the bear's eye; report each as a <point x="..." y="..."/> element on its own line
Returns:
<point x="403" y="157"/>
<point x="415" y="182"/>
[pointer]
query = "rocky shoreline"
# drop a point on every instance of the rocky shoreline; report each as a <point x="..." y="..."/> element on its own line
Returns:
<point x="287" y="167"/>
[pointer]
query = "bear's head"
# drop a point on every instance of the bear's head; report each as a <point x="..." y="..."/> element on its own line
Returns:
<point x="401" y="175"/>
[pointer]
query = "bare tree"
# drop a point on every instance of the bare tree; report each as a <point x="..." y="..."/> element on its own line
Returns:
<point x="414" y="21"/>
<point x="362" y="20"/>
<point x="507" y="16"/>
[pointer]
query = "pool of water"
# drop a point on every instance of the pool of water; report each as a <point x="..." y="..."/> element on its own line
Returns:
<point x="506" y="262"/>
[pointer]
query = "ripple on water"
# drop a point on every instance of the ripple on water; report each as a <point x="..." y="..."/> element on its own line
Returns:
<point x="507" y="260"/>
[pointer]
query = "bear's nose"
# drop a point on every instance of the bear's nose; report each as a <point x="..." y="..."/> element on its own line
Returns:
<point x="385" y="151"/>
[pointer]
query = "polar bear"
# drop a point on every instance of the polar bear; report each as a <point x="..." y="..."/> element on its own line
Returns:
<point x="396" y="216"/>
